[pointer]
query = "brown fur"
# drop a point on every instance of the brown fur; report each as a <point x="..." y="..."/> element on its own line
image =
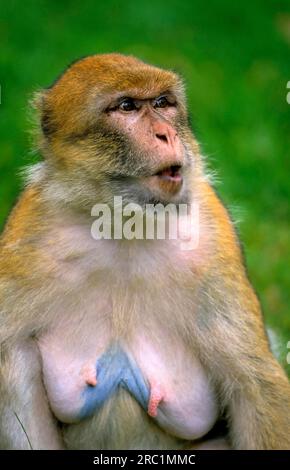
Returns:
<point x="226" y="330"/>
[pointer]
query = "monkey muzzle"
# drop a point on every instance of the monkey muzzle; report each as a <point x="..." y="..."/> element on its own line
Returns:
<point x="171" y="174"/>
<point x="166" y="181"/>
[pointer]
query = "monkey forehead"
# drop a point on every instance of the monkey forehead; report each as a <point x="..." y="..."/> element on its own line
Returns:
<point x="89" y="85"/>
<point x="107" y="73"/>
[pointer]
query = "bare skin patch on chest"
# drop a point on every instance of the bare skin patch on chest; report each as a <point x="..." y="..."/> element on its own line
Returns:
<point x="116" y="369"/>
<point x="169" y="384"/>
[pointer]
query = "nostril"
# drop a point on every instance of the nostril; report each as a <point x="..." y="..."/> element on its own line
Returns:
<point x="162" y="137"/>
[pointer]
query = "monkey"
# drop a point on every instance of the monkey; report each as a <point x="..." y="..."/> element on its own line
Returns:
<point x="128" y="343"/>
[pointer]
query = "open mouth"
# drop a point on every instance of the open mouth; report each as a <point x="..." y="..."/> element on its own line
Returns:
<point x="165" y="182"/>
<point x="171" y="173"/>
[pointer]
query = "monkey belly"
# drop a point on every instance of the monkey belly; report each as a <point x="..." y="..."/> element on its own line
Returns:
<point x="184" y="406"/>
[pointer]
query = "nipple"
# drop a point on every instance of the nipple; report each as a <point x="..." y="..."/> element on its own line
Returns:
<point x="89" y="374"/>
<point x="156" y="396"/>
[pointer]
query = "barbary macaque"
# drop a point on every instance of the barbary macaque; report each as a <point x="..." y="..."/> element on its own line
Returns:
<point x="128" y="343"/>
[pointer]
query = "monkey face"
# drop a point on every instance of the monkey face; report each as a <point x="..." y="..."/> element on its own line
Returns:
<point x="121" y="124"/>
<point x="152" y="159"/>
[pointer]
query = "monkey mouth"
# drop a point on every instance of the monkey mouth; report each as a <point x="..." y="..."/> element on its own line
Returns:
<point x="167" y="181"/>
<point x="171" y="174"/>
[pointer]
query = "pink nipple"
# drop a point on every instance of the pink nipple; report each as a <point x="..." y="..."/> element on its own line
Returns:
<point x="156" y="396"/>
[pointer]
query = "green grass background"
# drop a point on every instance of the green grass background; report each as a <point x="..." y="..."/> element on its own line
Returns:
<point x="235" y="57"/>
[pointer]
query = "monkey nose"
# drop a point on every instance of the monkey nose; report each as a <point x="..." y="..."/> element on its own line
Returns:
<point x="165" y="134"/>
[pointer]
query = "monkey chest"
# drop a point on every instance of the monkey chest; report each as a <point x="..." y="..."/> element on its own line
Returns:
<point x="87" y="371"/>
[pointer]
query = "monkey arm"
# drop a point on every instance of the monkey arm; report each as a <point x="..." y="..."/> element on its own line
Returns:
<point x="234" y="346"/>
<point x="25" y="418"/>
<point x="26" y="421"/>
<point x="253" y="387"/>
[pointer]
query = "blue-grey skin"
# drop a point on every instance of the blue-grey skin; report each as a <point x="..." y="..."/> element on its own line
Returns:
<point x="115" y="369"/>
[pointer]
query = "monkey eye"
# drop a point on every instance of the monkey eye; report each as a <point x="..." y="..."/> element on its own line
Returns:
<point x="127" y="105"/>
<point x="161" y="102"/>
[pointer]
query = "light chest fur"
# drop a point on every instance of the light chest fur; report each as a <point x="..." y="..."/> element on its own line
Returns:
<point x="129" y="293"/>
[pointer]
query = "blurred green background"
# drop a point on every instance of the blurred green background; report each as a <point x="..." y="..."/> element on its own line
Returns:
<point x="236" y="62"/>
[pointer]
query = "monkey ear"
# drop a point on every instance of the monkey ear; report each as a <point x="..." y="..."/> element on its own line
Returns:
<point x="43" y="113"/>
<point x="39" y="118"/>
